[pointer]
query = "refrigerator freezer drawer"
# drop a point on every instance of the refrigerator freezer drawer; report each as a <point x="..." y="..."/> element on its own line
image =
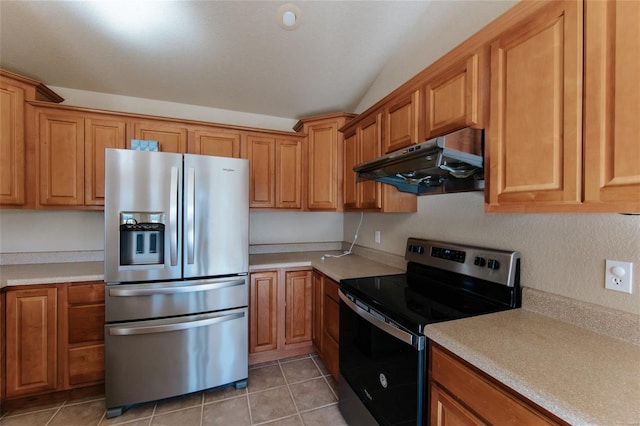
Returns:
<point x="127" y="302"/>
<point x="150" y="360"/>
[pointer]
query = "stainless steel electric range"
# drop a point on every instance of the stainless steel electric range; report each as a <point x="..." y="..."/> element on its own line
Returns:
<point x="383" y="350"/>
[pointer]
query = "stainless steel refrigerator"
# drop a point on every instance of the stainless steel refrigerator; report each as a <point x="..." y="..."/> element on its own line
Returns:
<point x="176" y="269"/>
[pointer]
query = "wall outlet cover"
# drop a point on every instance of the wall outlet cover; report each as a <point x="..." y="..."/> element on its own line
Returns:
<point x="618" y="276"/>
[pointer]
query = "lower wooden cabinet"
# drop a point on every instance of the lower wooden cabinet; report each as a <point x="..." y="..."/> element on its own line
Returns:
<point x="54" y="338"/>
<point x="280" y="314"/>
<point x="460" y="394"/>
<point x="326" y="321"/>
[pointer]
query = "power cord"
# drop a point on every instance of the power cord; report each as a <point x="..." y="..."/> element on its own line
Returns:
<point x="355" y="238"/>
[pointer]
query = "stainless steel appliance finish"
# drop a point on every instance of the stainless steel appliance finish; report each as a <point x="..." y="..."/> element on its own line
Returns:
<point x="383" y="350"/>
<point x="449" y="163"/>
<point x="176" y="265"/>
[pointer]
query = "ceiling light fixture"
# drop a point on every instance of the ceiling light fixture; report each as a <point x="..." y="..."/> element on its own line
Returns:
<point x="289" y="17"/>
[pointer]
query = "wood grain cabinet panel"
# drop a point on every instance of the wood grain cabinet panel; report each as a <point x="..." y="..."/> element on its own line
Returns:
<point x="216" y="143"/>
<point x="288" y="174"/>
<point x="535" y="144"/>
<point x="61" y="147"/>
<point x="446" y="411"/>
<point x="331" y="326"/>
<point x="370" y="146"/>
<point x="263" y="312"/>
<point x="12" y="144"/>
<point x="401" y="123"/>
<point x="318" y="296"/>
<point x="453" y="98"/>
<point x="298" y="308"/>
<point x="612" y="106"/>
<point x="170" y="136"/>
<point x="100" y="133"/>
<point x="350" y="160"/>
<point x="31" y="357"/>
<point x="262" y="174"/>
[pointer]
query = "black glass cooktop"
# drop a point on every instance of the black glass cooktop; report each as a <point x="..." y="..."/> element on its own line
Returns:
<point x="414" y="299"/>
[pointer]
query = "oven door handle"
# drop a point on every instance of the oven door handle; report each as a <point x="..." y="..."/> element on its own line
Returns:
<point x="408" y="338"/>
<point x="176" y="326"/>
<point x="203" y="285"/>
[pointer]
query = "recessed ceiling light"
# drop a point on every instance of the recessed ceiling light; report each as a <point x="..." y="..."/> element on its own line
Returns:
<point x="289" y="17"/>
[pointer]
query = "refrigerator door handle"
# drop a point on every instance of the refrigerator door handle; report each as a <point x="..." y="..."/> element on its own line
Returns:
<point x="150" y="329"/>
<point x="191" y="211"/>
<point x="173" y="217"/>
<point x="152" y="291"/>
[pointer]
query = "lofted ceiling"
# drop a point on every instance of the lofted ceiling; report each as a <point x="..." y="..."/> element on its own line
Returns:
<point x="231" y="55"/>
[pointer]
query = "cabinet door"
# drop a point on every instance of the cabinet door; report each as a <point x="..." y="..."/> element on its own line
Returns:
<point x="331" y="327"/>
<point x="288" y="174"/>
<point x="219" y="144"/>
<point x="401" y="123"/>
<point x="171" y="137"/>
<point x="298" y="321"/>
<point x="350" y="160"/>
<point x="31" y="341"/>
<point x="535" y="143"/>
<point x="318" y="296"/>
<point x="612" y="105"/>
<point x="261" y="155"/>
<point x="263" y="311"/>
<point x="61" y="145"/>
<point x="99" y="133"/>
<point x="370" y="146"/>
<point x="452" y="98"/>
<point x="324" y="166"/>
<point x="12" y="149"/>
<point x="446" y="411"/>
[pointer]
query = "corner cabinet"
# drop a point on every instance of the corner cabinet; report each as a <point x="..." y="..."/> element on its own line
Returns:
<point x="460" y="394"/>
<point x="326" y="321"/>
<point x="280" y="314"/>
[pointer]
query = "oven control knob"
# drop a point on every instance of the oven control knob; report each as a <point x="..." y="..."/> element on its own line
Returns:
<point x="493" y="264"/>
<point x="479" y="261"/>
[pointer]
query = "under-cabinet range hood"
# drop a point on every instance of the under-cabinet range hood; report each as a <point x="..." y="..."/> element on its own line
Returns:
<point x="449" y="163"/>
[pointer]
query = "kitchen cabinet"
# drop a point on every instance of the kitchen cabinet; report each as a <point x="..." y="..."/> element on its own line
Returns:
<point x="172" y="137"/>
<point x="612" y="106"/>
<point x="318" y="295"/>
<point x="401" y="120"/>
<point x="32" y="327"/>
<point x="15" y="176"/>
<point x="324" y="157"/>
<point x="275" y="172"/>
<point x="216" y="142"/>
<point x="71" y="146"/>
<point x="363" y="143"/>
<point x="460" y="394"/>
<point x="330" y="326"/>
<point x="280" y="314"/>
<point x="535" y="134"/>
<point x="81" y="334"/>
<point x="453" y="98"/>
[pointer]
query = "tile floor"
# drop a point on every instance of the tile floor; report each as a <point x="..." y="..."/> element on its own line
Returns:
<point x="294" y="391"/>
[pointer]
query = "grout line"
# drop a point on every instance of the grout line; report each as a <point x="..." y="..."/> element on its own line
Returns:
<point x="201" y="407"/>
<point x="289" y="389"/>
<point x="319" y="407"/>
<point x="55" y="414"/>
<point x="330" y="387"/>
<point x="249" y="408"/>
<point x="275" y="420"/>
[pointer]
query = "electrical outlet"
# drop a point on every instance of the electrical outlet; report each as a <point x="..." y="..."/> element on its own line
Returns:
<point x="377" y="237"/>
<point x="618" y="276"/>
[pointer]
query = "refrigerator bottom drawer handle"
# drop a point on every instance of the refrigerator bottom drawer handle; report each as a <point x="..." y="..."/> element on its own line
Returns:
<point x="150" y="329"/>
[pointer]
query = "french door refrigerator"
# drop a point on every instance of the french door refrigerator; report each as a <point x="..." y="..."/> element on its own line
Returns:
<point x="176" y="265"/>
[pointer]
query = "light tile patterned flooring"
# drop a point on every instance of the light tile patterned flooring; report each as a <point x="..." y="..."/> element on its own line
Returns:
<point x="289" y="392"/>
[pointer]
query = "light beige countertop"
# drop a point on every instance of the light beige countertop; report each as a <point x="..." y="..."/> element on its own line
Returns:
<point x="50" y="273"/>
<point x="336" y="268"/>
<point x="580" y="376"/>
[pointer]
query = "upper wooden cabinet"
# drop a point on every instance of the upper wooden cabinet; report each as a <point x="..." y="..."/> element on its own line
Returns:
<point x="275" y="172"/>
<point x="324" y="171"/>
<point x="12" y="148"/>
<point x="216" y="143"/>
<point x="171" y="137"/>
<point x="350" y="160"/>
<point x="401" y="122"/>
<point x="453" y="98"/>
<point x="535" y="136"/>
<point x="612" y="106"/>
<point x="71" y="148"/>
<point x="369" y="148"/>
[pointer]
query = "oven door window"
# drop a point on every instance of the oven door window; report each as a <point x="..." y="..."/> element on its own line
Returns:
<point x="385" y="373"/>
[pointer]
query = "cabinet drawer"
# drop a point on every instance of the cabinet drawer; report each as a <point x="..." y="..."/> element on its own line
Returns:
<point x="86" y="323"/>
<point x="86" y="364"/>
<point x="86" y="293"/>
<point x="331" y="290"/>
<point x="491" y="402"/>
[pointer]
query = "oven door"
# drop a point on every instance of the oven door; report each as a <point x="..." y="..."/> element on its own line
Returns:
<point x="382" y="368"/>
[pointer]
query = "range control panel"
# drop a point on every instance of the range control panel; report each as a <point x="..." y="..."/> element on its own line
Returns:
<point x="499" y="266"/>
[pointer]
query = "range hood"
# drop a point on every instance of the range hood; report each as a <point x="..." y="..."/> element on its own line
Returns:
<point x="449" y="163"/>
